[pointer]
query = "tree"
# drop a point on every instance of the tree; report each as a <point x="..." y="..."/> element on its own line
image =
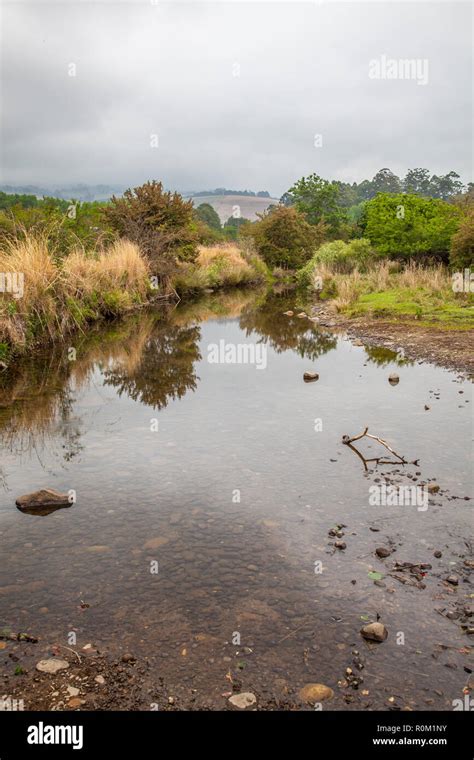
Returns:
<point x="385" y="181"/>
<point x="207" y="214"/>
<point x="284" y="238"/>
<point x="417" y="181"/>
<point x="318" y="200"/>
<point x="161" y="223"/>
<point x="446" y="186"/>
<point x="461" y="255"/>
<point x="405" y="226"/>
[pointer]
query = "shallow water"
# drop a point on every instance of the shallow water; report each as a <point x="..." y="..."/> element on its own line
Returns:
<point x="230" y="477"/>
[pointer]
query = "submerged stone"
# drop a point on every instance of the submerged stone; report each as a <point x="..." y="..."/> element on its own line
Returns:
<point x="43" y="502"/>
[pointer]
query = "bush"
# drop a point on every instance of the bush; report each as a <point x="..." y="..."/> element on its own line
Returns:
<point x="283" y="237"/>
<point x="338" y="257"/>
<point x="409" y="226"/>
<point x="461" y="254"/>
<point x="161" y="223"/>
<point x="220" y="266"/>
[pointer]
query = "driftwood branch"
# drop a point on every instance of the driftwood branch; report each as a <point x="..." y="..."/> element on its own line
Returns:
<point x="349" y="440"/>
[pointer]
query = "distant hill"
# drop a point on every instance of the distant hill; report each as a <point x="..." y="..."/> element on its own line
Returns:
<point x="79" y="192"/>
<point x="224" y="205"/>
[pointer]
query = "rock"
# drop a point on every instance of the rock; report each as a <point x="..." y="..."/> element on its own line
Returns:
<point x="393" y="379"/>
<point x="127" y="657"/>
<point x="301" y="315"/>
<point x="469" y="563"/>
<point x="427" y="408"/>
<point x="453" y="580"/>
<point x="437" y="554"/>
<point x="100" y="680"/>
<point x="315" y="692"/>
<point x="43" y="502"/>
<point x="382" y="552"/>
<point x="310" y="377"/>
<point x="155" y="543"/>
<point x="72" y="691"/>
<point x="243" y="700"/>
<point x="340" y="544"/>
<point x="288" y="313"/>
<point x="75" y="702"/>
<point x="51" y="665"/>
<point x="432" y="488"/>
<point x="374" y="632"/>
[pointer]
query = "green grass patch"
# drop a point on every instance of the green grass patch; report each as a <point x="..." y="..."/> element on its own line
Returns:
<point x="417" y="304"/>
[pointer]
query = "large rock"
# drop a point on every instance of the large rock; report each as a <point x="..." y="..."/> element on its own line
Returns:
<point x="315" y="692"/>
<point x="43" y="502"/>
<point x="374" y="632"/>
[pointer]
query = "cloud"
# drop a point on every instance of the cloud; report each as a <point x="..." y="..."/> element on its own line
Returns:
<point x="236" y="92"/>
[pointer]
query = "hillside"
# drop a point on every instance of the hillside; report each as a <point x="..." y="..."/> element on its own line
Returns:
<point x="225" y="204"/>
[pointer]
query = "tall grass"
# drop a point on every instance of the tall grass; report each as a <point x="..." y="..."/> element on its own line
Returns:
<point x="60" y="293"/>
<point x="220" y="266"/>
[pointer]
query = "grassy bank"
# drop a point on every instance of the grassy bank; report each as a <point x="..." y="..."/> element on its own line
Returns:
<point x="390" y="290"/>
<point x="45" y="296"/>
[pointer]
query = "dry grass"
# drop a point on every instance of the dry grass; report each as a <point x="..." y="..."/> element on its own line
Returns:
<point x="220" y="266"/>
<point x="60" y="293"/>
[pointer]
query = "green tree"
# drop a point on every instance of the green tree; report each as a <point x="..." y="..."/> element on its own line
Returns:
<point x="417" y="181"/>
<point x="385" y="181"/>
<point x="318" y="200"/>
<point x="284" y="238"/>
<point x="461" y="255"/>
<point x="207" y="214"/>
<point x="405" y="226"/>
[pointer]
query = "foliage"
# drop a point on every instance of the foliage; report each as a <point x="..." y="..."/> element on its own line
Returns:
<point x="207" y="214"/>
<point x="161" y="223"/>
<point x="461" y="254"/>
<point x="407" y="226"/>
<point x="283" y="237"/>
<point x="318" y="200"/>
<point x="339" y="256"/>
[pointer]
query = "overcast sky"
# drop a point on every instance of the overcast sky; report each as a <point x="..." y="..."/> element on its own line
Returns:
<point x="235" y="91"/>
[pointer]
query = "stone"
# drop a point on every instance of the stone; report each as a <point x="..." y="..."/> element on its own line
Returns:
<point x="75" y="702"/>
<point x="432" y="488"/>
<point x="393" y="379"/>
<point x="288" y="313"/>
<point x="155" y="543"/>
<point x="315" y="692"/>
<point x="437" y="554"/>
<point x="100" y="680"/>
<point x="127" y="657"/>
<point x="243" y="700"/>
<point x="72" y="691"/>
<point x="43" y="502"/>
<point x="51" y="666"/>
<point x="453" y="580"/>
<point x="310" y="377"/>
<point x="382" y="552"/>
<point x="340" y="544"/>
<point x="374" y="632"/>
<point x="301" y="315"/>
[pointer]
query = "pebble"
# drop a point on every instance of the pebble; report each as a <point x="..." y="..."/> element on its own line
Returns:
<point x="382" y="552"/>
<point x="437" y="554"/>
<point x="100" y="680"/>
<point x="315" y="692"/>
<point x="127" y="657"/>
<point x="51" y="666"/>
<point x="243" y="700"/>
<point x="374" y="632"/>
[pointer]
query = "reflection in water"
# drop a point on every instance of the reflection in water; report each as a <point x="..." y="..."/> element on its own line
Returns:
<point x="284" y="333"/>
<point x="382" y="356"/>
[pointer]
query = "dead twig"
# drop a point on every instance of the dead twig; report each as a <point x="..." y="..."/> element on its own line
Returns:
<point x="349" y="440"/>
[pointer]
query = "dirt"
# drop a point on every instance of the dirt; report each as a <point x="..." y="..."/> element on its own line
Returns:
<point x="452" y="349"/>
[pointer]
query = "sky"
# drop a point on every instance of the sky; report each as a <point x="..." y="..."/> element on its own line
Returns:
<point x="232" y="94"/>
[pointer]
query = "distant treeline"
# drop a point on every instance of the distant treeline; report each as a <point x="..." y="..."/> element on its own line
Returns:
<point x="223" y="191"/>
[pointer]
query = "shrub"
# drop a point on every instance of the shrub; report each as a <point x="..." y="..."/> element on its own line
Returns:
<point x="161" y="223"/>
<point x="461" y="254"/>
<point x="337" y="257"/>
<point x="409" y="226"/>
<point x="283" y="237"/>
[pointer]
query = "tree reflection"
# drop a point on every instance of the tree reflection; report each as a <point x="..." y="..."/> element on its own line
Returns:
<point x="285" y="333"/>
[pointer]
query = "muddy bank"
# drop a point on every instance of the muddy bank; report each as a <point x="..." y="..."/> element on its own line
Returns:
<point x="452" y="349"/>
